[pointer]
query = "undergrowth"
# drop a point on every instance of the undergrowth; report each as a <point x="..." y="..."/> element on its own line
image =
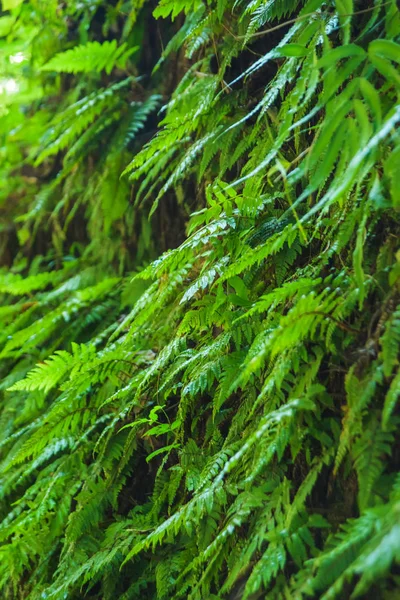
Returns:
<point x="211" y="412"/>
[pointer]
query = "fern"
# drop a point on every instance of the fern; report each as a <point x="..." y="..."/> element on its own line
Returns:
<point x="90" y="57"/>
<point x="199" y="285"/>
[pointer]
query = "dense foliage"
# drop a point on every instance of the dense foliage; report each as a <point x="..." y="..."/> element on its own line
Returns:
<point x="199" y="282"/>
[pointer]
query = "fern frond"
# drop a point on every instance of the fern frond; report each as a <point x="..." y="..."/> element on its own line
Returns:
<point x="92" y="56"/>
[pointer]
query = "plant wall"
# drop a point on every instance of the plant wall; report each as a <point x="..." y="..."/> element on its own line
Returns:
<point x="199" y="285"/>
